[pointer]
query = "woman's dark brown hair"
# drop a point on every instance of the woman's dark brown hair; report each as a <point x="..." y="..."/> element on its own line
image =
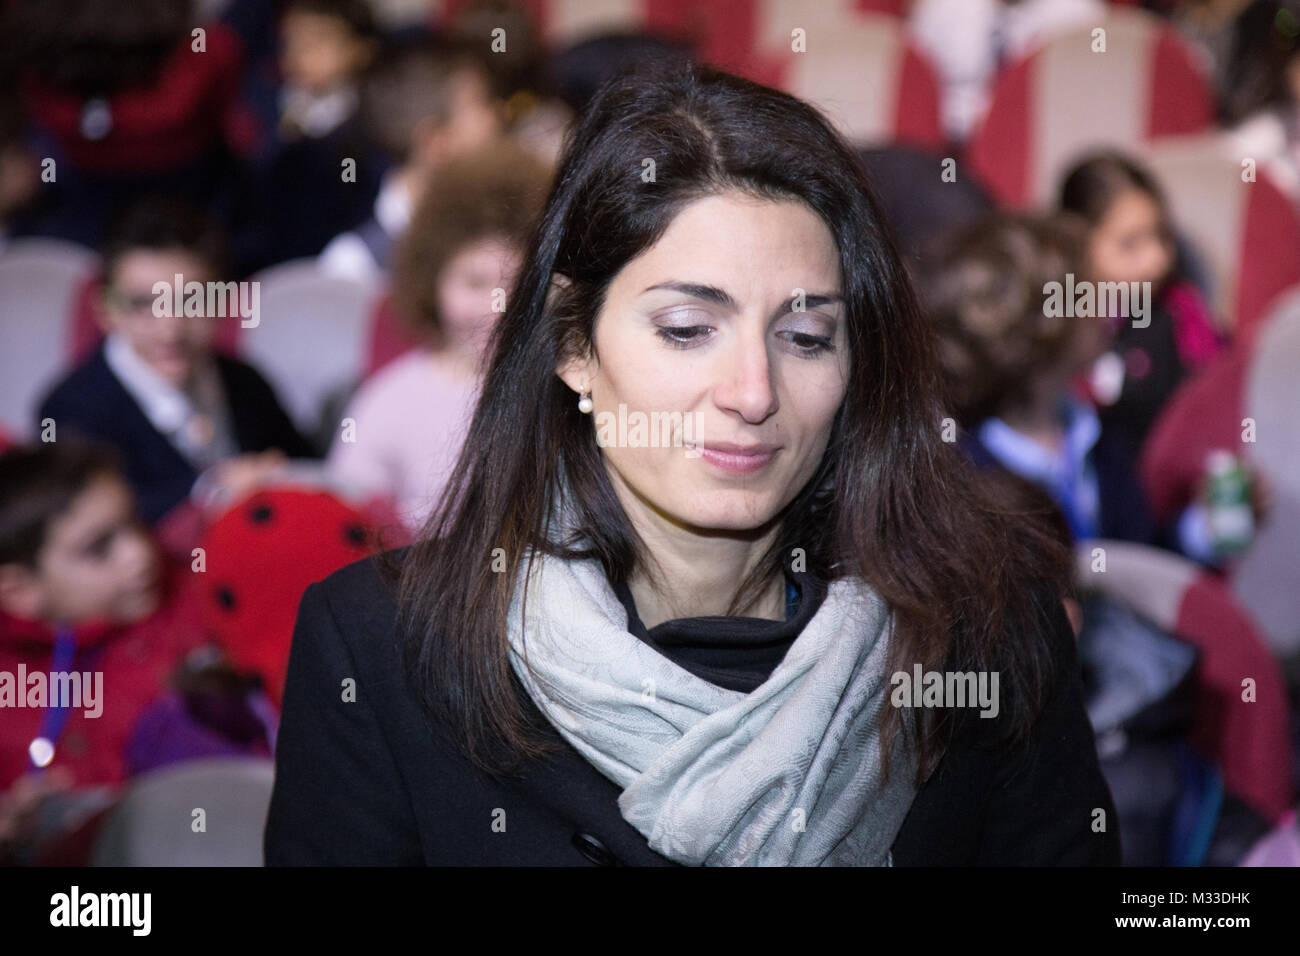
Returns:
<point x="494" y="193"/>
<point x="890" y="501"/>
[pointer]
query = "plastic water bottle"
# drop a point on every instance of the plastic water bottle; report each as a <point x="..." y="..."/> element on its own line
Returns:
<point x="1231" y="519"/>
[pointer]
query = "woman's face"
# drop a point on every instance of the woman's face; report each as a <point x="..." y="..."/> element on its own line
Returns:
<point x="735" y="320"/>
<point x="1129" y="243"/>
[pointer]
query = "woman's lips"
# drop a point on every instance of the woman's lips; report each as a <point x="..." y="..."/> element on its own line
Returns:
<point x="738" y="459"/>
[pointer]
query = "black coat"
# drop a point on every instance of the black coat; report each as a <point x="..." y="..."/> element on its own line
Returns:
<point x="91" y="402"/>
<point x="369" y="782"/>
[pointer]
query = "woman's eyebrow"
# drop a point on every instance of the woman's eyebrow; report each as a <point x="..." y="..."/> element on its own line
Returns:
<point x="718" y="296"/>
<point x="708" y="293"/>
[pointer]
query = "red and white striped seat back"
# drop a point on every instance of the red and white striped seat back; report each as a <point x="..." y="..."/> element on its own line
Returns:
<point x="1247" y="232"/>
<point x="1064" y="100"/>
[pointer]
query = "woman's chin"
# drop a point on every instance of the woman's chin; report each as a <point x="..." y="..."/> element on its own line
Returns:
<point x="731" y="513"/>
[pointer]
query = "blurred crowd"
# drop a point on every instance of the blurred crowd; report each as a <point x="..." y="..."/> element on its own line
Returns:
<point x="1100" y="203"/>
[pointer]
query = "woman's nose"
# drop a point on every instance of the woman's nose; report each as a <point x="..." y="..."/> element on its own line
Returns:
<point x="745" y="384"/>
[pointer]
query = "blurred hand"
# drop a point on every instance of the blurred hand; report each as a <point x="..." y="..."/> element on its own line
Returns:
<point x="235" y="477"/>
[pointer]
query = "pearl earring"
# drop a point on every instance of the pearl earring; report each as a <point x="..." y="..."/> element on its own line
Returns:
<point x="584" y="403"/>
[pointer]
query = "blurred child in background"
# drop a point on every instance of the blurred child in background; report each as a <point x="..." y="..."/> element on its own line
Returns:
<point x="83" y="590"/>
<point x="326" y="47"/>
<point x="1130" y="240"/>
<point x="1011" y="365"/>
<point x="422" y="105"/>
<point x="452" y="271"/>
<point x="155" y="390"/>
<point x="129" y="99"/>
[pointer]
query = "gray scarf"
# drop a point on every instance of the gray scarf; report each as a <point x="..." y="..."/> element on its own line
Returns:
<point x="788" y="774"/>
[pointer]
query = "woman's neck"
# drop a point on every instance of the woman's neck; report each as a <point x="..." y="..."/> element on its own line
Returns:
<point x="702" y="596"/>
<point x="696" y="573"/>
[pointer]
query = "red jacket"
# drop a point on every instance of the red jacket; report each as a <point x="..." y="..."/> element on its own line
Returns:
<point x="192" y="105"/>
<point x="136" y="661"/>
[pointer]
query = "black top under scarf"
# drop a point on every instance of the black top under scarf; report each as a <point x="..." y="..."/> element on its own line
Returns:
<point x="738" y="653"/>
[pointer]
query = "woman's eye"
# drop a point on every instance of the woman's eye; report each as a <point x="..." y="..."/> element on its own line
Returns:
<point x="811" y="344"/>
<point x="682" y="336"/>
<point x="804" y="342"/>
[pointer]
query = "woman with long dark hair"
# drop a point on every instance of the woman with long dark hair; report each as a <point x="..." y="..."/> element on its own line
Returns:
<point x="782" y="624"/>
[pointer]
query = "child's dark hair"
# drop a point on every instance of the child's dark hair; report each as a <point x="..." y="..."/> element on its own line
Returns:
<point x="38" y="484"/>
<point x="1093" y="184"/>
<point x="163" y="223"/>
<point x="355" y="14"/>
<point x="411" y="84"/>
<point x="984" y="292"/>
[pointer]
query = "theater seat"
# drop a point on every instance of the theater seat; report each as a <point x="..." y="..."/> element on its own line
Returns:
<point x="860" y="64"/>
<point x="867" y="75"/>
<point x="1249" y="739"/>
<point x="1247" y="232"/>
<point x="39" y="283"/>
<point x="1255" y="380"/>
<point x="312" y="338"/>
<point x="1063" y="100"/>
<point x="154" y="822"/>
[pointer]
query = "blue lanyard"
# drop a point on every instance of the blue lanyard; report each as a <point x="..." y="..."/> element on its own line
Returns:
<point x="1082" y="526"/>
<point x="57" y="713"/>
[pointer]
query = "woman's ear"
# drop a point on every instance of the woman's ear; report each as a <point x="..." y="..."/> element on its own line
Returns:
<point x="576" y="371"/>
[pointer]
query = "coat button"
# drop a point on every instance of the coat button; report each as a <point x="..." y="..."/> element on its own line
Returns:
<point x="594" y="850"/>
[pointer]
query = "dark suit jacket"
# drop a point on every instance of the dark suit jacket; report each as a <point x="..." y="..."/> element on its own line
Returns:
<point x="92" y="402"/>
<point x="1124" y="513"/>
<point x="369" y="782"/>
